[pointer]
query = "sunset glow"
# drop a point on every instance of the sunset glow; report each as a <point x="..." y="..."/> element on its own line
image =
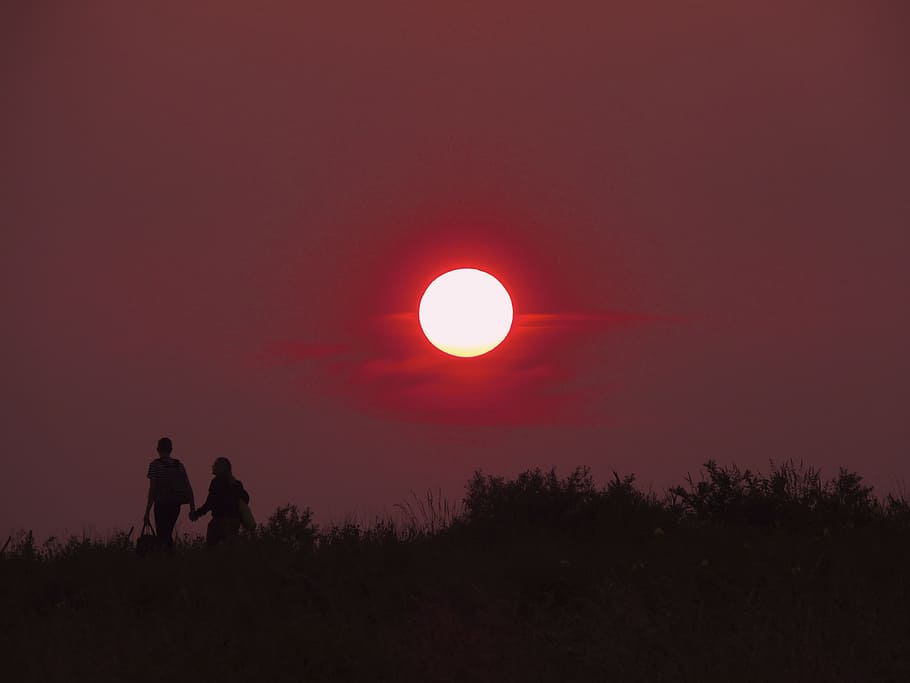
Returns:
<point x="466" y="312"/>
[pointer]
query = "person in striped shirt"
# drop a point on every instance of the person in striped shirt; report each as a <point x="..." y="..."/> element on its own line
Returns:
<point x="169" y="488"/>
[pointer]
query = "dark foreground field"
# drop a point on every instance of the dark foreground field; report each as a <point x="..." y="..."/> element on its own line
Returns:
<point x="737" y="578"/>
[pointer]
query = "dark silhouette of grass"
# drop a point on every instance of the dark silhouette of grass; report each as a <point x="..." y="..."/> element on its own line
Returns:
<point x="738" y="576"/>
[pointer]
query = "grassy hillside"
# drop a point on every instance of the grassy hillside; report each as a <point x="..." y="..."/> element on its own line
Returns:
<point x="746" y="577"/>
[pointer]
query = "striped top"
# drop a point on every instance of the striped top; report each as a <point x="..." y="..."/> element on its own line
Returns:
<point x="172" y="485"/>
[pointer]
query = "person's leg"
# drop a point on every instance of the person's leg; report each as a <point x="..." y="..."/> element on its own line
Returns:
<point x="165" y="519"/>
<point x="232" y="528"/>
<point x="214" y="534"/>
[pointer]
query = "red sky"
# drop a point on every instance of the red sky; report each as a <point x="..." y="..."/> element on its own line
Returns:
<point x="218" y="221"/>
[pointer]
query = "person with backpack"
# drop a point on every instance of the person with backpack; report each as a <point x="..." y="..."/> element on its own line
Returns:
<point x="169" y="488"/>
<point x="228" y="502"/>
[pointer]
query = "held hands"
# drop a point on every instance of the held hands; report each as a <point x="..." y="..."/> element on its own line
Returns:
<point x="193" y="515"/>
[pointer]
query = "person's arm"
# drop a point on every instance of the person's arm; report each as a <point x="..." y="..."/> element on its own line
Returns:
<point x="189" y="487"/>
<point x="207" y="505"/>
<point x="244" y="495"/>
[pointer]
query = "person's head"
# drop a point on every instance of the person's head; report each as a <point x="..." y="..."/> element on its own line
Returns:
<point x="165" y="447"/>
<point x="222" y="468"/>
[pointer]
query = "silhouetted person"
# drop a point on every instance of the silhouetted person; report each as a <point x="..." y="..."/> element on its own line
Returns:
<point x="225" y="492"/>
<point x="169" y="488"/>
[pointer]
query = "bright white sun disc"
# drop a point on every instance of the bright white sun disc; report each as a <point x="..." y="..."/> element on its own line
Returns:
<point x="465" y="312"/>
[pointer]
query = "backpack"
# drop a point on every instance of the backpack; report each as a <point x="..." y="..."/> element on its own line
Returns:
<point x="246" y="516"/>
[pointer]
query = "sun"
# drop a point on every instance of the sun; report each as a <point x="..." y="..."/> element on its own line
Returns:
<point x="465" y="312"/>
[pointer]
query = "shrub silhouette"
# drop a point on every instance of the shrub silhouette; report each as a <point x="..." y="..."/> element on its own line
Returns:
<point x="291" y="527"/>
<point x="790" y="493"/>
<point x="848" y="501"/>
<point x="534" y="498"/>
<point x="543" y="500"/>
<point x="896" y="511"/>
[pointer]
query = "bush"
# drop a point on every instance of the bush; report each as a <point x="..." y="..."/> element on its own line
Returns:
<point x="533" y="498"/>
<point x="847" y="501"/>
<point x="620" y="502"/>
<point x="790" y="494"/>
<point x="291" y="527"/>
